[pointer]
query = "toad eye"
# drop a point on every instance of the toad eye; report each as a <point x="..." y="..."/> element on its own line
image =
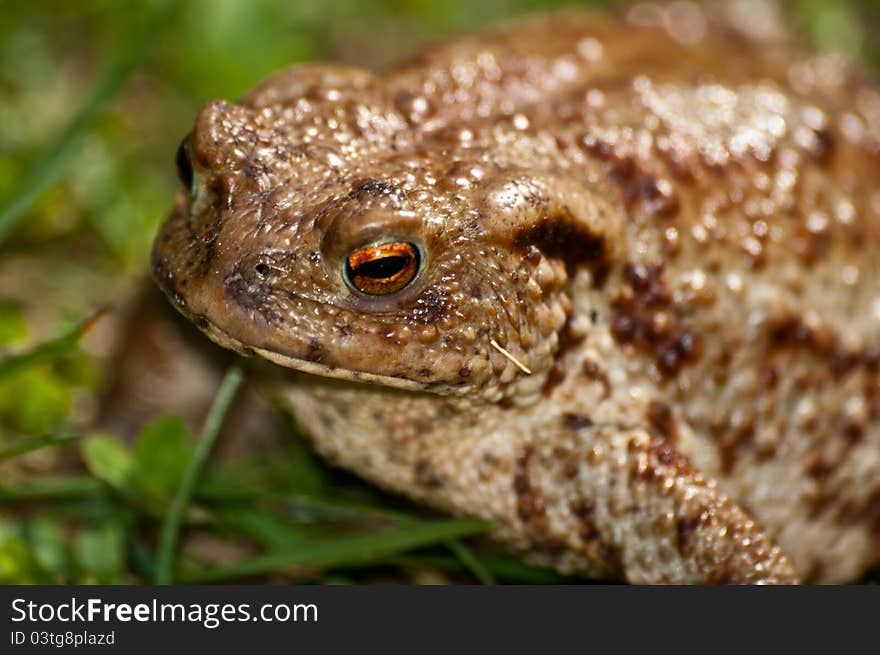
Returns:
<point x="184" y="166"/>
<point x="382" y="268"/>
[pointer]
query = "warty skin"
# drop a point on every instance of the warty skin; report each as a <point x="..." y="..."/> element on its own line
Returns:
<point x="643" y="335"/>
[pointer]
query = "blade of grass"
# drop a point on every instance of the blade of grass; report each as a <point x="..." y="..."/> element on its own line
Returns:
<point x="335" y="509"/>
<point x="265" y="528"/>
<point x="347" y="551"/>
<point x="471" y="562"/>
<point x="49" y="167"/>
<point x="171" y="525"/>
<point x="50" y="350"/>
<point x="507" y="569"/>
<point x="55" y="488"/>
<point x="305" y="507"/>
<point x="141" y="558"/>
<point x="23" y="446"/>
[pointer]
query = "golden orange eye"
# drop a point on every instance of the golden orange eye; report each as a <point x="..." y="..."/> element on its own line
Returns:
<point x="382" y="268"/>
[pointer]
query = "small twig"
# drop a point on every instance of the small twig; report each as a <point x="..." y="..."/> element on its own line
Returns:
<point x="171" y="525"/>
<point x="525" y="369"/>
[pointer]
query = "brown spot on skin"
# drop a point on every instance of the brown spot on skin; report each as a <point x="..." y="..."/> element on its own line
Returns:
<point x="583" y="510"/>
<point x="821" y="502"/>
<point x="725" y="576"/>
<point x="768" y="378"/>
<point x="610" y="555"/>
<point x="661" y="456"/>
<point x="872" y="396"/>
<point x="567" y="342"/>
<point x="571" y="469"/>
<point x="426" y="475"/>
<point x="656" y="196"/>
<point x="683" y="349"/>
<point x="826" y="145"/>
<point x="648" y="283"/>
<point x="843" y="363"/>
<point x="817" y="467"/>
<point x="850" y="512"/>
<point x="815" y="573"/>
<point x="371" y="188"/>
<point x="532" y="255"/>
<point x="644" y="318"/>
<point x="529" y="502"/>
<point x="242" y="288"/>
<point x="791" y="332"/>
<point x="855" y="513"/>
<point x="790" y="337"/>
<point x="506" y="403"/>
<point x="811" y="247"/>
<point x="873" y="512"/>
<point x="430" y="307"/>
<point x="853" y="433"/>
<point x="563" y="238"/>
<point x="639" y="188"/>
<point x="636" y="308"/>
<point x="685" y="527"/>
<point x="731" y="440"/>
<point x="316" y="352"/>
<point x="661" y="421"/>
<point x="555" y="377"/>
<point x="576" y="421"/>
<point x="664" y="454"/>
<point x="594" y="372"/>
<point x="416" y="108"/>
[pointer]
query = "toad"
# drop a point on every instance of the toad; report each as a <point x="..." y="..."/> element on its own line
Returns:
<point x="608" y="282"/>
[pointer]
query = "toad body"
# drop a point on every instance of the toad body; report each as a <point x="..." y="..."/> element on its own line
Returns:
<point x="610" y="283"/>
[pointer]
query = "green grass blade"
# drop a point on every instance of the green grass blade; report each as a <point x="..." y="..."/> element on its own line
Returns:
<point x="306" y="507"/>
<point x="49" y="167"/>
<point x="28" y="445"/>
<point x="506" y="569"/>
<point x="54" y="488"/>
<point x="471" y="562"/>
<point x="265" y="528"/>
<point x="213" y="422"/>
<point x="48" y="351"/>
<point x="347" y="551"/>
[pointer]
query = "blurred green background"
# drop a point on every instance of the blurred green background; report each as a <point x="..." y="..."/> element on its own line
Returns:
<point x="94" y="98"/>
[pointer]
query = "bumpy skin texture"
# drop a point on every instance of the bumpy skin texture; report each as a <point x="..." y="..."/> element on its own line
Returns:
<point x="668" y="220"/>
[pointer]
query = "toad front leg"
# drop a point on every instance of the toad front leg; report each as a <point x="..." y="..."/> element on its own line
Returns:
<point x="605" y="501"/>
<point x="627" y="501"/>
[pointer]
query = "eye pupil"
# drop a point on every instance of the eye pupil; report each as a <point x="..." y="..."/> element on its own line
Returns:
<point x="184" y="165"/>
<point x="383" y="268"/>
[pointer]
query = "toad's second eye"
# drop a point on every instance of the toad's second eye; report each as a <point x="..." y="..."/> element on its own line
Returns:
<point x="382" y="268"/>
<point x="184" y="165"/>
